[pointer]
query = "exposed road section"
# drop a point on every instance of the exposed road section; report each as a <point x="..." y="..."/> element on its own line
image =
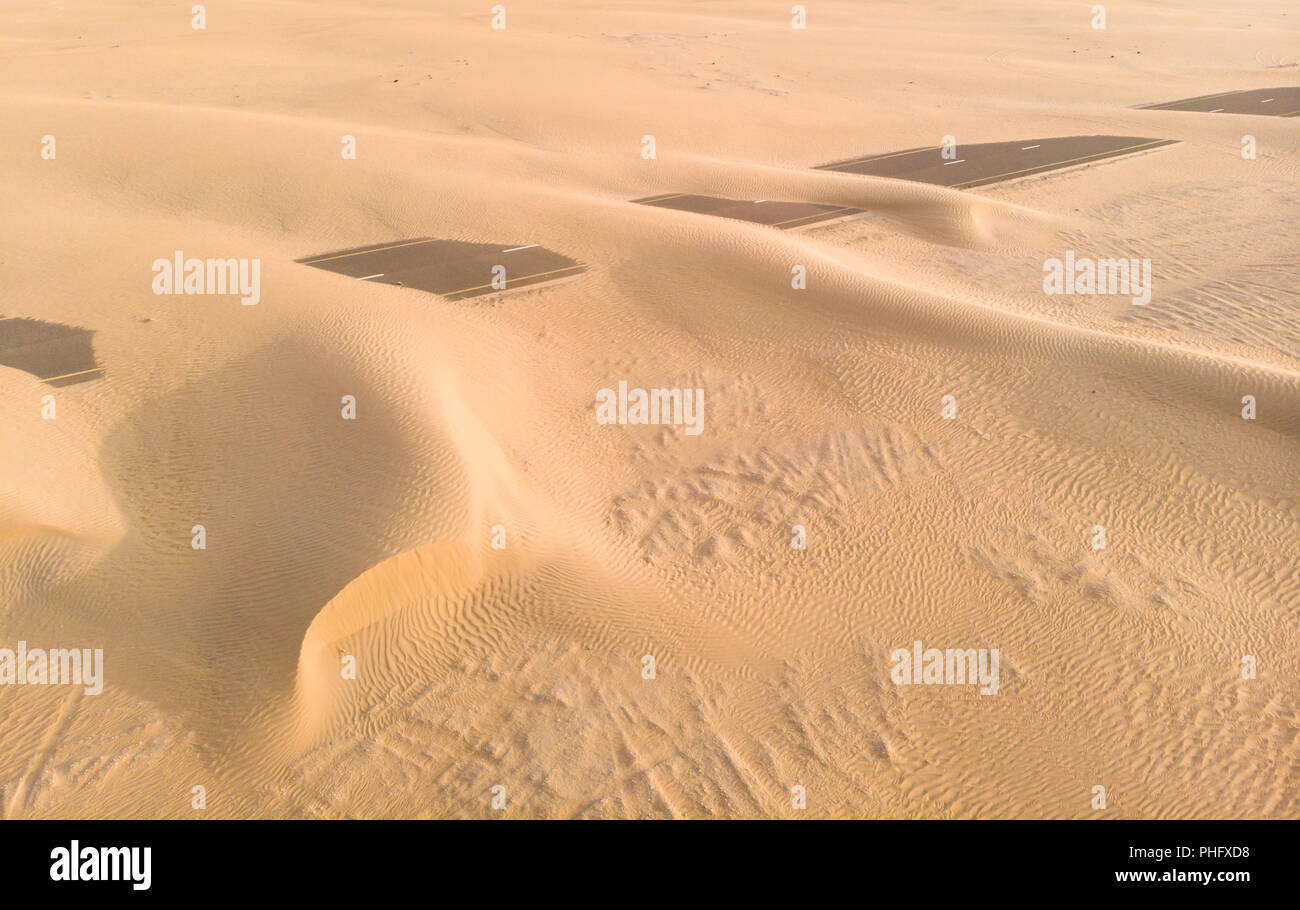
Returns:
<point x="784" y="215"/>
<point x="1270" y="102"/>
<point x="58" y="354"/>
<point x="450" y="268"/>
<point x="992" y="162"/>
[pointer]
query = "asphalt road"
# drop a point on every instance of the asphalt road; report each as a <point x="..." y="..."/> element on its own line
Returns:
<point x="58" y="354"/>
<point x="450" y="268"/>
<point x="784" y="215"/>
<point x="1270" y="102"/>
<point x="992" y="162"/>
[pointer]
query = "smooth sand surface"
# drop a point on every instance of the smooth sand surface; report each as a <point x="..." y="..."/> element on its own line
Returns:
<point x="369" y="541"/>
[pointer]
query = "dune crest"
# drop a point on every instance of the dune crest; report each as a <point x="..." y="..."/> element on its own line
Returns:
<point x="435" y="577"/>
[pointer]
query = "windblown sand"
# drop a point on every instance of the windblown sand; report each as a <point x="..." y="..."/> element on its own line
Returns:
<point x="368" y="542"/>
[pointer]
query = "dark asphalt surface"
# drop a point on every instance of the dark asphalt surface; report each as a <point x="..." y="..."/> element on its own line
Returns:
<point x="58" y="354"/>
<point x="992" y="162"/>
<point x="450" y="268"/>
<point x="1269" y="102"/>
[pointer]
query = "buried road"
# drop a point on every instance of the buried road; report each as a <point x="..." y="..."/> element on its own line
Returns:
<point x="58" y="354"/>
<point x="450" y="268"/>
<point x="761" y="211"/>
<point x="1269" y="102"/>
<point x="968" y="166"/>
<point x="962" y="167"/>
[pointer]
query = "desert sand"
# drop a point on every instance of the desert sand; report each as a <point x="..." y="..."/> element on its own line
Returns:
<point x="512" y="682"/>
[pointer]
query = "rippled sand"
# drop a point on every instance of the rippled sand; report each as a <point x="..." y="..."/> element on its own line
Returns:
<point x="367" y="543"/>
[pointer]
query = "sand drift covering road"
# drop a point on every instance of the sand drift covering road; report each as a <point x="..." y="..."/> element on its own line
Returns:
<point x="971" y="519"/>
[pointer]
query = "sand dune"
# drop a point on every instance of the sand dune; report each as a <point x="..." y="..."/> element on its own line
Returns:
<point x="459" y="589"/>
